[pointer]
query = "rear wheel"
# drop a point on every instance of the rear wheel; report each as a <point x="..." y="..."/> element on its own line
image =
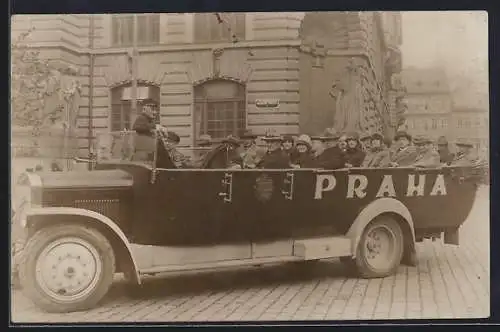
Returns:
<point x="380" y="249"/>
<point x="67" y="268"/>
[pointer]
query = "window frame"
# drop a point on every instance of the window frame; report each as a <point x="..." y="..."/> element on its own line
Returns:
<point x="151" y="22"/>
<point x="202" y="103"/>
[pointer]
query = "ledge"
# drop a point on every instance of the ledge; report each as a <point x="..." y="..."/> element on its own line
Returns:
<point x="171" y="47"/>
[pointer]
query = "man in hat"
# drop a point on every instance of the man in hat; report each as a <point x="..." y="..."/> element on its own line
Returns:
<point x="275" y="158"/>
<point x="329" y="156"/>
<point x="445" y="155"/>
<point x="249" y="154"/>
<point x="365" y="140"/>
<point x="465" y="155"/>
<point x="170" y="141"/>
<point x="353" y="154"/>
<point x="303" y="158"/>
<point x="378" y="156"/>
<point x="404" y="154"/>
<point x="427" y="157"/>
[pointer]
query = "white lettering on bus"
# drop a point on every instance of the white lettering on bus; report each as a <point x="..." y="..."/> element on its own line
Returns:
<point x="361" y="181"/>
<point x="321" y="179"/>
<point x="439" y="186"/>
<point x="386" y="187"/>
<point x="413" y="188"/>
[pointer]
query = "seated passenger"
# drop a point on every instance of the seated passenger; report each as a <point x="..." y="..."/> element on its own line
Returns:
<point x="275" y="158"/>
<point x="427" y="157"/>
<point x="327" y="154"/>
<point x="303" y="158"/>
<point x="170" y="142"/>
<point x="249" y="155"/>
<point x="465" y="156"/>
<point x="288" y="146"/>
<point x="365" y="139"/>
<point x="404" y="153"/>
<point x="446" y="156"/>
<point x="377" y="155"/>
<point x="353" y="154"/>
<point x="144" y="124"/>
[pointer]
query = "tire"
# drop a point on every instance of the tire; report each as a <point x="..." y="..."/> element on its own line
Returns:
<point x="380" y="249"/>
<point x="58" y="259"/>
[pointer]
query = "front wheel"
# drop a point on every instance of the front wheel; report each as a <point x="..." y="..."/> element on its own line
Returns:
<point x="380" y="249"/>
<point x="67" y="268"/>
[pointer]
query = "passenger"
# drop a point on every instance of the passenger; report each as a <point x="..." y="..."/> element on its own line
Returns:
<point x="288" y="146"/>
<point x="378" y="155"/>
<point x="249" y="155"/>
<point x="171" y="141"/>
<point x="404" y="153"/>
<point x="144" y="124"/>
<point x="465" y="156"/>
<point x="445" y="155"/>
<point x="328" y="155"/>
<point x="304" y="157"/>
<point x="275" y="157"/>
<point x="427" y="156"/>
<point x="205" y="141"/>
<point x="365" y="140"/>
<point x="233" y="156"/>
<point x="353" y="155"/>
<point x="342" y="143"/>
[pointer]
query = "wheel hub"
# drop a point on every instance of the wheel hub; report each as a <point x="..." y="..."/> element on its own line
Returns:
<point x="380" y="247"/>
<point x="68" y="269"/>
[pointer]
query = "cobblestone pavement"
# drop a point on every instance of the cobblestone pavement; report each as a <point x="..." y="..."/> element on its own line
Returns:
<point x="449" y="282"/>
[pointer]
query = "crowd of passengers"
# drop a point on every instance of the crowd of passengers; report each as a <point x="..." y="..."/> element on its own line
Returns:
<point x="330" y="150"/>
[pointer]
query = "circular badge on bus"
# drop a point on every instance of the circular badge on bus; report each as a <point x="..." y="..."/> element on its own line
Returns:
<point x="264" y="187"/>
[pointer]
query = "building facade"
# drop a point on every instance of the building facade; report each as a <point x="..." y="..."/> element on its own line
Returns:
<point x="429" y="102"/>
<point x="211" y="74"/>
<point x="472" y="124"/>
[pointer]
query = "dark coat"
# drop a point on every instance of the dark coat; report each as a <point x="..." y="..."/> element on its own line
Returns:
<point x="275" y="160"/>
<point x="446" y="156"/>
<point x="354" y="157"/>
<point x="304" y="160"/>
<point x="331" y="158"/>
<point x="377" y="158"/>
<point x="223" y="156"/>
<point x="143" y="125"/>
<point x="405" y="157"/>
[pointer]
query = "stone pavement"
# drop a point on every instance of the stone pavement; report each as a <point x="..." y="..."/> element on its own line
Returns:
<point x="449" y="282"/>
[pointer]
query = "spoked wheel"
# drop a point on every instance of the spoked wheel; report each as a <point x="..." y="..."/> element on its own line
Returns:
<point x="380" y="249"/>
<point x="67" y="268"/>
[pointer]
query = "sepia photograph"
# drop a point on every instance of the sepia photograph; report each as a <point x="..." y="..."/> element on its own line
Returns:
<point x="249" y="167"/>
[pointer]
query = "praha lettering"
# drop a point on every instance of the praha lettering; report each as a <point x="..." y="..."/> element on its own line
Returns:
<point x="357" y="185"/>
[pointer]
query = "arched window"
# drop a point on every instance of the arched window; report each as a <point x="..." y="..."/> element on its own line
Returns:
<point x="207" y="27"/>
<point x="220" y="109"/>
<point x="122" y="116"/>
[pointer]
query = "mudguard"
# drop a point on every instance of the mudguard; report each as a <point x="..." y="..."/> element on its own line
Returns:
<point x="374" y="209"/>
<point x="92" y="215"/>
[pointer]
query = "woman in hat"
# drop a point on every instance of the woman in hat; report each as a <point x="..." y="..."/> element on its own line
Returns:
<point x="404" y="154"/>
<point x="275" y="158"/>
<point x="303" y="157"/>
<point x="353" y="155"/>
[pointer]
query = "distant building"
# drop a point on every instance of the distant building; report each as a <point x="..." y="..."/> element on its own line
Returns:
<point x="471" y="124"/>
<point x="429" y="102"/>
<point x="206" y="77"/>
